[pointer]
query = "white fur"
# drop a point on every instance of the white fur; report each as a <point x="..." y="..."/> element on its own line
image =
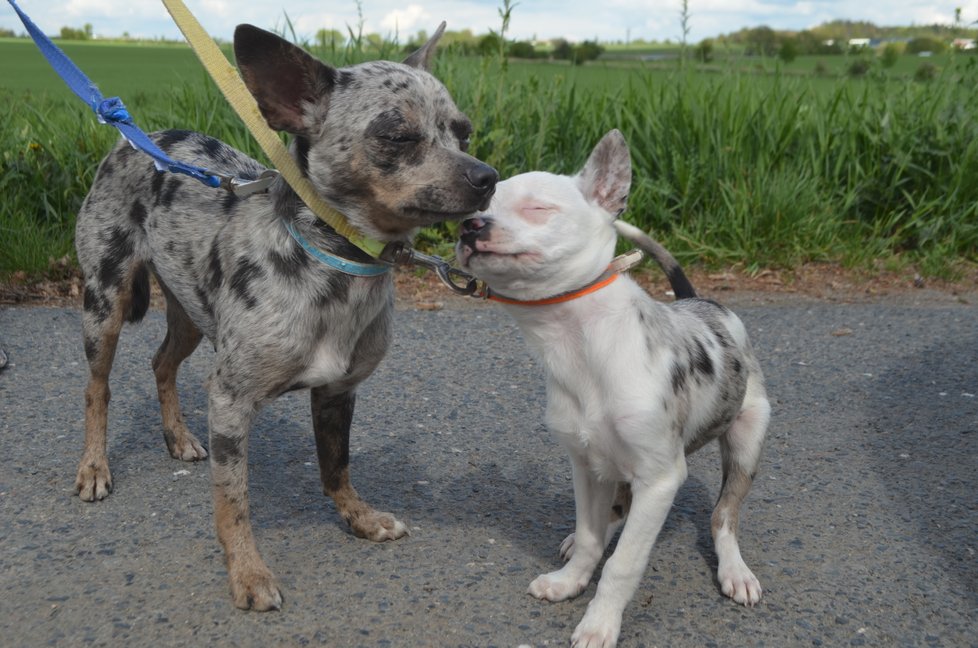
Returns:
<point x="609" y="359"/>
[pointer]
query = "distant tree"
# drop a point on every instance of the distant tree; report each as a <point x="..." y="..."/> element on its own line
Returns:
<point x="587" y="51"/>
<point x="789" y="50"/>
<point x="926" y="44"/>
<point x="332" y="38"/>
<point x="704" y="51"/>
<point x="522" y="49"/>
<point x="562" y="50"/>
<point x="489" y="44"/>
<point x="890" y="55"/>
<point x="70" y="33"/>
<point x="762" y="41"/>
<point x="6" y="33"/>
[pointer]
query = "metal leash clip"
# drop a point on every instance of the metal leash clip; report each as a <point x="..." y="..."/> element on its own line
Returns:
<point x="400" y="254"/>
<point x="244" y="188"/>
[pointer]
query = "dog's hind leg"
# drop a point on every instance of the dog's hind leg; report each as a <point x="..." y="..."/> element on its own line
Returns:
<point x="182" y="337"/>
<point x="116" y="290"/>
<point x="332" y="415"/>
<point x="619" y="511"/>
<point x="740" y="451"/>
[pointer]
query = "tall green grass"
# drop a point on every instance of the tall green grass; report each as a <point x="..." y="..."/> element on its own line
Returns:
<point x="764" y="171"/>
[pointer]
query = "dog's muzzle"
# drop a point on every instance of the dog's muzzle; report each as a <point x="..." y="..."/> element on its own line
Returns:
<point x="474" y="229"/>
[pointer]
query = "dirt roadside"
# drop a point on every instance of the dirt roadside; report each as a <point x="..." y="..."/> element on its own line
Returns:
<point x="422" y="290"/>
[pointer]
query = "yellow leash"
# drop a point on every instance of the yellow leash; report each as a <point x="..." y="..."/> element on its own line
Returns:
<point x="227" y="79"/>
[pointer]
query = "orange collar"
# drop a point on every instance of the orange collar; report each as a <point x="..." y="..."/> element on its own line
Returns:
<point x="621" y="263"/>
<point x="605" y="279"/>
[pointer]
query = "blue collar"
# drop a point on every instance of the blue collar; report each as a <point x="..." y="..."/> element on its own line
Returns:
<point x="347" y="266"/>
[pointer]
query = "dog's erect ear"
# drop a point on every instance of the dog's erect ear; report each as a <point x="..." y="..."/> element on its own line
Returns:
<point x="422" y="57"/>
<point x="285" y="80"/>
<point x="607" y="175"/>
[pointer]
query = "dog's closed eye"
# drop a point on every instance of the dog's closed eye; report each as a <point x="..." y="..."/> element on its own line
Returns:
<point x="537" y="213"/>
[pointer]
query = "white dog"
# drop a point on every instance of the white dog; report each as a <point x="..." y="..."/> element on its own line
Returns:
<point x="633" y="385"/>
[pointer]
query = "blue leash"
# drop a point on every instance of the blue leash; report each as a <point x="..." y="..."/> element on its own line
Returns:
<point x="110" y="111"/>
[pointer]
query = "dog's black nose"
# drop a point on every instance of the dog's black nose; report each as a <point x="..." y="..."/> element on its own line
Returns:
<point x="482" y="177"/>
<point x="471" y="229"/>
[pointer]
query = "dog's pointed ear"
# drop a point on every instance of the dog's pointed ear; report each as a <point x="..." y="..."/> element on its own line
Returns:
<point x="607" y="175"/>
<point x="422" y="57"/>
<point x="285" y="81"/>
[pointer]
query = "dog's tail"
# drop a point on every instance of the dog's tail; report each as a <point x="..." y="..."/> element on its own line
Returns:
<point x="139" y="300"/>
<point x="681" y="286"/>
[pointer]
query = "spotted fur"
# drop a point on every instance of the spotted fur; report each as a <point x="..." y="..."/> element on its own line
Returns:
<point x="371" y="139"/>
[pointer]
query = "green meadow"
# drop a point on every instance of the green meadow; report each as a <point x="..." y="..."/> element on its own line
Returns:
<point x="742" y="161"/>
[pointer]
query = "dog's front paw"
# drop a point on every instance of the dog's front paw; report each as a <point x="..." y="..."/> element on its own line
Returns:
<point x="740" y="584"/>
<point x="598" y="629"/>
<point x="557" y="586"/>
<point x="94" y="481"/>
<point x="255" y="590"/>
<point x="378" y="526"/>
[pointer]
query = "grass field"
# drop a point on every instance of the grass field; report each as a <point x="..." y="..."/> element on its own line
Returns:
<point x="732" y="163"/>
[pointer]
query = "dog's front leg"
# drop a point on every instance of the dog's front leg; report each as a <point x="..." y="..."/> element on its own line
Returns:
<point x="622" y="573"/>
<point x="252" y="583"/>
<point x="592" y="499"/>
<point x="332" y="415"/>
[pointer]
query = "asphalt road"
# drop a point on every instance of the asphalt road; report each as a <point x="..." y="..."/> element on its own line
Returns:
<point x="862" y="526"/>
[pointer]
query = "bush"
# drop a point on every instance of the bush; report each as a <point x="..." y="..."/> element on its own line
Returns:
<point x="522" y="49"/>
<point x="926" y="44"/>
<point x="789" y="50"/>
<point x="704" y="51"/>
<point x="821" y="69"/>
<point x="890" y="55"/>
<point x="587" y="51"/>
<point x="859" y="67"/>
<point x="926" y="72"/>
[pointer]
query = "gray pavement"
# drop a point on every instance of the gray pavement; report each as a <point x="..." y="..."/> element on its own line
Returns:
<point x="862" y="525"/>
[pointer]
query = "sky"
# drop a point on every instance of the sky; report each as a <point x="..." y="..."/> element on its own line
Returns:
<point x="576" y="20"/>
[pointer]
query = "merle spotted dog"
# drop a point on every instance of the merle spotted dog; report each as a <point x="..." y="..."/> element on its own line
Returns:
<point x="633" y="385"/>
<point x="383" y="143"/>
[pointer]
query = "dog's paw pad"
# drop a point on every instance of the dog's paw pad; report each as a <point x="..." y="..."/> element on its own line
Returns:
<point x="257" y="591"/>
<point x="94" y="482"/>
<point x="741" y="585"/>
<point x="597" y="630"/>
<point x="379" y="527"/>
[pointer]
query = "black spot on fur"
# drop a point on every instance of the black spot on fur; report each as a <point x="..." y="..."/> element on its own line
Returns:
<point x="244" y="274"/>
<point x="302" y="154"/>
<point x="204" y="297"/>
<point x="106" y="169"/>
<point x="156" y="185"/>
<point x="91" y="348"/>
<point x="343" y="78"/>
<point x="118" y="251"/>
<point x="170" y="192"/>
<point x="701" y="361"/>
<point x="229" y="201"/>
<point x="289" y="263"/>
<point x="337" y="288"/>
<point x="215" y="272"/>
<point x="168" y="138"/>
<point x="139" y="302"/>
<point x="225" y="449"/>
<point x="137" y="214"/>
<point x="679" y="374"/>
<point x="96" y="303"/>
<point x="737" y="367"/>
<point x="214" y="148"/>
